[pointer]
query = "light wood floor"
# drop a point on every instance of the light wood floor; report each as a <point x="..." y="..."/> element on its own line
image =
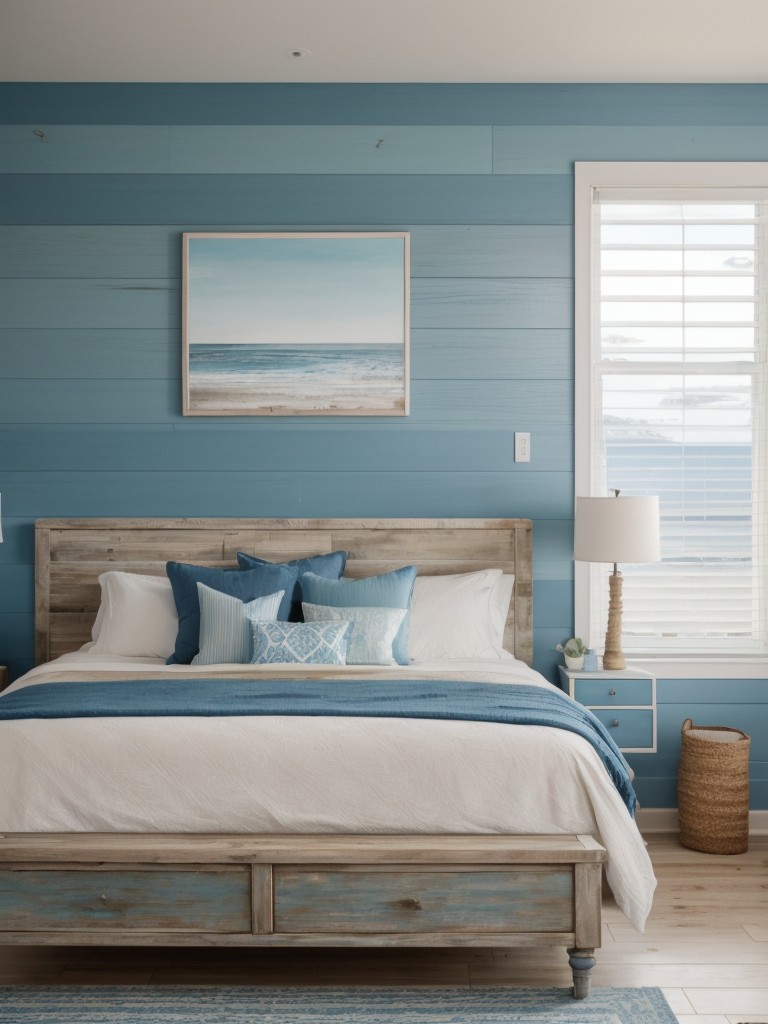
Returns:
<point x="706" y="946"/>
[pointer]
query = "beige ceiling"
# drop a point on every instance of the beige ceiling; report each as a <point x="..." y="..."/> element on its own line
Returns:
<point x="384" y="40"/>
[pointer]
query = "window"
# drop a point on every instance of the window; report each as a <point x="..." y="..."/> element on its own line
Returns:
<point x="671" y="332"/>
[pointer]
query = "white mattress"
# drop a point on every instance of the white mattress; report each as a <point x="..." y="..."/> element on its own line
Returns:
<point x="313" y="775"/>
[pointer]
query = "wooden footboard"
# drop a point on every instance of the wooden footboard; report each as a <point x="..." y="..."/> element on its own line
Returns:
<point x="251" y="890"/>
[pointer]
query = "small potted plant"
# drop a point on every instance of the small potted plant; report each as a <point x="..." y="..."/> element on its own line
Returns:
<point x="573" y="651"/>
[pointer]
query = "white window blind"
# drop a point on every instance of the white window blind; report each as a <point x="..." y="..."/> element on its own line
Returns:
<point x="678" y="406"/>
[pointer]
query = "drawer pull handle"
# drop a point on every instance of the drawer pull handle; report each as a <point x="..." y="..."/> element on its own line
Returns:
<point x="615" y="721"/>
<point x="611" y="693"/>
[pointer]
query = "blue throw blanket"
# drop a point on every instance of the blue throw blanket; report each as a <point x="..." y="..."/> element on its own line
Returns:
<point x="508" y="704"/>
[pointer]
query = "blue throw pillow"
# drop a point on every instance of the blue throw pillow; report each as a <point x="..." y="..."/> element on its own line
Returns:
<point x="245" y="585"/>
<point x="331" y="566"/>
<point x="373" y="633"/>
<point x="390" y="590"/>
<point x="304" y="643"/>
<point x="225" y="625"/>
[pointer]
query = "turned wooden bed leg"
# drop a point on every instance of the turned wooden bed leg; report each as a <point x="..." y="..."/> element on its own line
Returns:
<point x="582" y="961"/>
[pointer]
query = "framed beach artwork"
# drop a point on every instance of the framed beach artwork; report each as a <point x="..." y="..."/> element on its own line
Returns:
<point x="296" y="323"/>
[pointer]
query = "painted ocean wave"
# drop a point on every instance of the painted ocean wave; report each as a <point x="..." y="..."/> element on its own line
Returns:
<point x="301" y="366"/>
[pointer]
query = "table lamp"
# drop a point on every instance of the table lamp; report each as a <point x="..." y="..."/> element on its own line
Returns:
<point x="616" y="530"/>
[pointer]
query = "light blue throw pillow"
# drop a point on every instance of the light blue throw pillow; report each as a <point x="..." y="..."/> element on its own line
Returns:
<point x="390" y="590"/>
<point x="225" y="625"/>
<point x="304" y="643"/>
<point x="374" y="630"/>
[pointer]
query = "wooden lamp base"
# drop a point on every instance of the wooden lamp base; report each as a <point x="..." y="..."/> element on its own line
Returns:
<point x="613" y="658"/>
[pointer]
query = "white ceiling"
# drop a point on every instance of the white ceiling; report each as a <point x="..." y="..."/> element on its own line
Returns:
<point x="384" y="40"/>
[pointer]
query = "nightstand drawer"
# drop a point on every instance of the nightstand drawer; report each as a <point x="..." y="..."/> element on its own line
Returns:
<point x="628" y="727"/>
<point x="613" y="691"/>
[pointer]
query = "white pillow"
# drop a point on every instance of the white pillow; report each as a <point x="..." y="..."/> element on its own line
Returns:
<point x="501" y="598"/>
<point x="137" y="617"/>
<point x="460" y="616"/>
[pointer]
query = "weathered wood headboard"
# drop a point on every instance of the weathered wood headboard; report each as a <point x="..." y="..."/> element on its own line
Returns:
<point x="72" y="553"/>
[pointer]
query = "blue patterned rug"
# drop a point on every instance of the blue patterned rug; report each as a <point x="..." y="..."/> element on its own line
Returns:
<point x="26" y="1004"/>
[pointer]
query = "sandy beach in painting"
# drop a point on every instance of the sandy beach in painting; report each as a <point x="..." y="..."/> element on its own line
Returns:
<point x="297" y="380"/>
<point x="224" y="403"/>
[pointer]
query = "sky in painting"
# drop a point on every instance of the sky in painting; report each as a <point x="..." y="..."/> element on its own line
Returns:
<point x="298" y="291"/>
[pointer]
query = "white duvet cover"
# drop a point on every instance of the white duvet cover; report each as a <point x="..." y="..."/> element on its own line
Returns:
<point x="312" y="775"/>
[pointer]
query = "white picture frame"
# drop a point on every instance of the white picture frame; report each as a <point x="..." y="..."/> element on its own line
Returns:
<point x="296" y="323"/>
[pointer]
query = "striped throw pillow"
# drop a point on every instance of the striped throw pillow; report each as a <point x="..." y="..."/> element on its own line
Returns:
<point x="225" y="625"/>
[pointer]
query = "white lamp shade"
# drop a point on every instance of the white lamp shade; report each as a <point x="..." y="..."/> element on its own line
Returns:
<point x="617" y="529"/>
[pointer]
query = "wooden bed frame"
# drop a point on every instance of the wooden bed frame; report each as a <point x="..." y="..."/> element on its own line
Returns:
<point x="259" y="890"/>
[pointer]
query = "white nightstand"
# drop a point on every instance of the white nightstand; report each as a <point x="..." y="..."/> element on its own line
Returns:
<point x="625" y="702"/>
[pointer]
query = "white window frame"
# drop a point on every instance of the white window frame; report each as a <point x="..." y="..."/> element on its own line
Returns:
<point x="589" y="176"/>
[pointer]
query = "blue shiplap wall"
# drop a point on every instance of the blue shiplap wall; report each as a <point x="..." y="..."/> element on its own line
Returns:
<point x="97" y="182"/>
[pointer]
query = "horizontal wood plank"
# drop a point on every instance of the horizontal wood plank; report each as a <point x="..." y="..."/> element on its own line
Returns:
<point x="416" y="103"/>
<point x="552" y="149"/>
<point x="491" y="354"/>
<point x="150" y="448"/>
<point x="143" y="250"/>
<point x="245" y="149"/>
<point x="483" y="303"/>
<point x="219" y="200"/>
<point x="390" y="940"/>
<point x="98" y="303"/>
<point x="497" y="250"/>
<point x="85" y="251"/>
<point x="159" y="401"/>
<point x="330" y="149"/>
<point x="83" y="149"/>
<point x="87" y="353"/>
<point x="461" y="493"/>
<point x="159" y="847"/>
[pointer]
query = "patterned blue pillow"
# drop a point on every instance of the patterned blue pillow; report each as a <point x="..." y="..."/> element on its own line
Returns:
<point x="225" y="625"/>
<point x="373" y="630"/>
<point x="389" y="590"/>
<point x="305" y="643"/>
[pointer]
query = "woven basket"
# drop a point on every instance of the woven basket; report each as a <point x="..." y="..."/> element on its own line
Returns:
<point x="713" y="789"/>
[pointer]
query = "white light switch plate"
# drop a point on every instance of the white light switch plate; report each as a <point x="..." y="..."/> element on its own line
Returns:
<point x="522" y="447"/>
